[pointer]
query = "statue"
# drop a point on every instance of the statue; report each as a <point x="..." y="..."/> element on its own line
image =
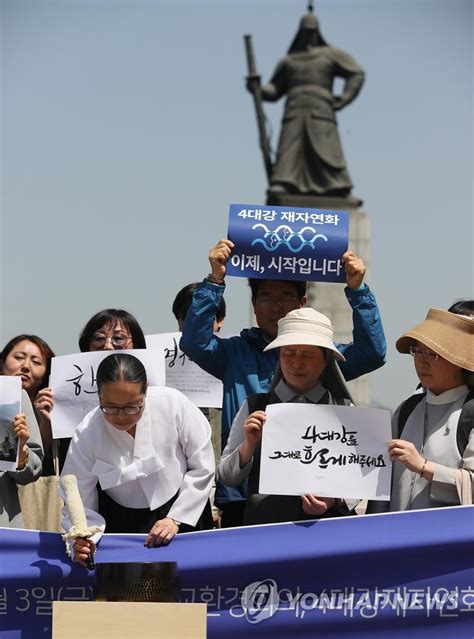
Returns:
<point x="309" y="160"/>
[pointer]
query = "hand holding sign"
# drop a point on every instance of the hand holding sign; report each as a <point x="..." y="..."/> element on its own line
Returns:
<point x="22" y="433"/>
<point x="355" y="269"/>
<point x="253" y="426"/>
<point x="218" y="256"/>
<point x="44" y="403"/>
<point x="407" y="454"/>
<point x="317" y="506"/>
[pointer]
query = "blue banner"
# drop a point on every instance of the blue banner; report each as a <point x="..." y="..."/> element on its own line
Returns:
<point x="397" y="575"/>
<point x="281" y="243"/>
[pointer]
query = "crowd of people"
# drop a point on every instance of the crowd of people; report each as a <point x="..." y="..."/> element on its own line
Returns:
<point x="145" y="458"/>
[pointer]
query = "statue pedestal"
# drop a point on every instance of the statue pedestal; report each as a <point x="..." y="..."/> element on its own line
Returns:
<point x="314" y="201"/>
<point x="330" y="298"/>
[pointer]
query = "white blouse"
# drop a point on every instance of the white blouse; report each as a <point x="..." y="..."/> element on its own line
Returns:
<point x="171" y="452"/>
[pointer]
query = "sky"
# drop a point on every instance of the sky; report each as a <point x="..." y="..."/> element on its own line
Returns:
<point x="126" y="132"/>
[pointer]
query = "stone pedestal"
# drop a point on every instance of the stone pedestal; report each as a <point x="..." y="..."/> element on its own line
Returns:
<point x="330" y="298"/>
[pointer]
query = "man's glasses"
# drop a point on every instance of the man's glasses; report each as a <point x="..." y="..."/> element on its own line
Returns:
<point x="118" y="341"/>
<point x="422" y="352"/>
<point x="284" y="301"/>
<point x="115" y="410"/>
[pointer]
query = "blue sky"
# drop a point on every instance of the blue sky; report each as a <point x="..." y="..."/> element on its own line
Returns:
<point x="127" y="131"/>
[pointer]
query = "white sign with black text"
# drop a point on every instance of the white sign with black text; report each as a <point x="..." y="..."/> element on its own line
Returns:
<point x="204" y="390"/>
<point x="329" y="451"/>
<point x="73" y="380"/>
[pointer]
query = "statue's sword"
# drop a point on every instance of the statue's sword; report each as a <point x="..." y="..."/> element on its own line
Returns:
<point x="253" y="80"/>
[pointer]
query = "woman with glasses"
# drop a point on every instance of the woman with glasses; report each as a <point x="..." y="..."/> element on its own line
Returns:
<point x="110" y="329"/>
<point x="143" y="459"/>
<point x="427" y="449"/>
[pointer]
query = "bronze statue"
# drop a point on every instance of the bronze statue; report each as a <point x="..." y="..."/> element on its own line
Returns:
<point x="310" y="159"/>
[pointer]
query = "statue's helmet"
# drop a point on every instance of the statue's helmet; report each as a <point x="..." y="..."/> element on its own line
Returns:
<point x="310" y="22"/>
<point x="308" y="34"/>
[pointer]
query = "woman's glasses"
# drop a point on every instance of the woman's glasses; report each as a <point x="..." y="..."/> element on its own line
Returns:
<point x="115" y="410"/>
<point x="118" y="341"/>
<point x="422" y="352"/>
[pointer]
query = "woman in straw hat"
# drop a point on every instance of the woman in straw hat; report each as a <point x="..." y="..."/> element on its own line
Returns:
<point x="426" y="454"/>
<point x="307" y="373"/>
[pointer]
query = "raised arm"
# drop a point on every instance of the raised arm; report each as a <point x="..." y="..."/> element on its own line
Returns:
<point x="367" y="351"/>
<point x="198" y="340"/>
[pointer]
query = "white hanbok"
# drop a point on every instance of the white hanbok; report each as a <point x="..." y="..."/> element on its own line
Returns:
<point x="171" y="454"/>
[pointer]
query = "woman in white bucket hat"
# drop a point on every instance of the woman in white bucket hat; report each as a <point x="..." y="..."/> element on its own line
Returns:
<point x="307" y="373"/>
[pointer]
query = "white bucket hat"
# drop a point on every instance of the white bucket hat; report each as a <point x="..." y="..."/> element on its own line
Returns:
<point x="306" y="326"/>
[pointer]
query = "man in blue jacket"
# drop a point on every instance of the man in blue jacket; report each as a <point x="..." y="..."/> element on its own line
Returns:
<point x="240" y="361"/>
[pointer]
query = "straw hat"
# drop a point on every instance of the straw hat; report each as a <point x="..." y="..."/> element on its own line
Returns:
<point x="449" y="335"/>
<point x="306" y="326"/>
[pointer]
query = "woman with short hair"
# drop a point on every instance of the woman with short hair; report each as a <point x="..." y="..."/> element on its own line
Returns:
<point x="111" y="329"/>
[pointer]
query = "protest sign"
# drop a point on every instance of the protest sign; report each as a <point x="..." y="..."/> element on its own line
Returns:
<point x="287" y="243"/>
<point x="10" y="406"/>
<point x="183" y="374"/>
<point x="331" y="451"/>
<point x="73" y="380"/>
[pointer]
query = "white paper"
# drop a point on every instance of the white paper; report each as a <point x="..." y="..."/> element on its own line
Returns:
<point x="328" y="451"/>
<point x="202" y="389"/>
<point x="10" y="406"/>
<point x="75" y="391"/>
